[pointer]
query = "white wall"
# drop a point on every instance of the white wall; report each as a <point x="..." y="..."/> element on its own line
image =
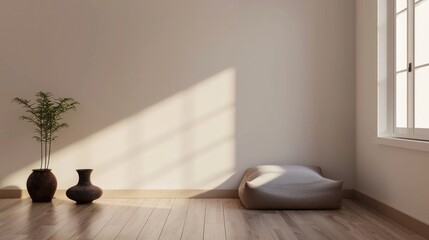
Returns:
<point x="395" y="176"/>
<point x="181" y="94"/>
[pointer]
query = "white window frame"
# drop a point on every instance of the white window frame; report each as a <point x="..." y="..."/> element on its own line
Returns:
<point x="387" y="72"/>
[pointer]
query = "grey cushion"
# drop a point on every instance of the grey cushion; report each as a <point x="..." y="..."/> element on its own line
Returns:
<point x="289" y="187"/>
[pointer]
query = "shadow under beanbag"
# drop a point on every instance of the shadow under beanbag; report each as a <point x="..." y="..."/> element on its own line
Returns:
<point x="289" y="187"/>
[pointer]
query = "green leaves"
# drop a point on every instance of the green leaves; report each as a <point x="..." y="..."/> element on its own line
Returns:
<point x="45" y="113"/>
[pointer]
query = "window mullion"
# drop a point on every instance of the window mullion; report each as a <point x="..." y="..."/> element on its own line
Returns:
<point x="410" y="56"/>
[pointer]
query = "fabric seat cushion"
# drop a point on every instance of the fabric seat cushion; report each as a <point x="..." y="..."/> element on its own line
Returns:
<point x="289" y="187"/>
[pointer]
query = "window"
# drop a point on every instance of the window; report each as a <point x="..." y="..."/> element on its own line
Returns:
<point x="411" y="69"/>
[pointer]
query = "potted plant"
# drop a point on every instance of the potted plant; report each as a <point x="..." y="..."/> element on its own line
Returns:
<point x="45" y="114"/>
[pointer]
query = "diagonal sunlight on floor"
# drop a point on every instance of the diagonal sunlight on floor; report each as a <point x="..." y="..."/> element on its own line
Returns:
<point x="186" y="141"/>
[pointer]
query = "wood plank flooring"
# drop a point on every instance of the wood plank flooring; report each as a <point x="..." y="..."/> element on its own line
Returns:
<point x="189" y="219"/>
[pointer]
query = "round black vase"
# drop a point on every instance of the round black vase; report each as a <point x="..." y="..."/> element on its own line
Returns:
<point x="41" y="185"/>
<point x="84" y="191"/>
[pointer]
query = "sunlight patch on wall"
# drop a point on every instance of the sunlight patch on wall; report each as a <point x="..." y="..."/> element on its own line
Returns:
<point x="186" y="141"/>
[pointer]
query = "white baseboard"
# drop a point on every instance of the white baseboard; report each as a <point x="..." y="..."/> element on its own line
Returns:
<point x="154" y="193"/>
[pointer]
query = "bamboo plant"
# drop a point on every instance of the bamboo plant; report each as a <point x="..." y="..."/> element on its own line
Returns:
<point x="46" y="114"/>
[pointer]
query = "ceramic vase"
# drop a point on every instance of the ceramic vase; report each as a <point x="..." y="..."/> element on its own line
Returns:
<point x="41" y="185"/>
<point x="84" y="192"/>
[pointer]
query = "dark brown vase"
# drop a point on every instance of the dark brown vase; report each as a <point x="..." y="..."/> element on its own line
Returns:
<point x="41" y="185"/>
<point x="84" y="191"/>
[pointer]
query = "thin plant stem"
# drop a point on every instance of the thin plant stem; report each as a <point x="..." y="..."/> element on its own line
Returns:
<point x="49" y="147"/>
<point x="46" y="156"/>
<point x="41" y="154"/>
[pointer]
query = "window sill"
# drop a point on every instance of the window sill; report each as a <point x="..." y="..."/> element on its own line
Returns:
<point x="403" y="143"/>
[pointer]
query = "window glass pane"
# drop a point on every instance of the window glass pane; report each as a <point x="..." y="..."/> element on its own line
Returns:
<point x="400" y="5"/>
<point x="422" y="32"/>
<point x="401" y="100"/>
<point x="401" y="41"/>
<point x="422" y="97"/>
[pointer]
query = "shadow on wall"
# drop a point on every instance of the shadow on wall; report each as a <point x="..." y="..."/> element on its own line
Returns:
<point x="184" y="141"/>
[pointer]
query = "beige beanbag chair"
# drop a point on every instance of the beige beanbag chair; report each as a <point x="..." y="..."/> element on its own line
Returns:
<point x="289" y="187"/>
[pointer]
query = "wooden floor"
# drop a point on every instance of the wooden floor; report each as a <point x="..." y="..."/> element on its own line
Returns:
<point x="172" y="219"/>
